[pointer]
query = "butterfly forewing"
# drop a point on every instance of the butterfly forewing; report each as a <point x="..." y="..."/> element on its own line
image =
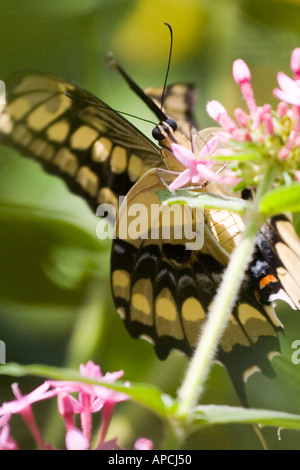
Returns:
<point x="98" y="153"/>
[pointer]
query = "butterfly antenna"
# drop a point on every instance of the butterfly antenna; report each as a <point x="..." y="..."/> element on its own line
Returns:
<point x="137" y="89"/>
<point x="169" y="64"/>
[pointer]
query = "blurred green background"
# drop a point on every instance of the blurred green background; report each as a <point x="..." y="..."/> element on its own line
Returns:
<point x="55" y="301"/>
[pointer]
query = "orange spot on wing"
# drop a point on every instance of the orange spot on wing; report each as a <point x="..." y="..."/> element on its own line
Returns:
<point x="267" y="280"/>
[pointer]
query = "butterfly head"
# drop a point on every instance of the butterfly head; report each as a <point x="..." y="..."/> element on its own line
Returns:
<point x="166" y="133"/>
<point x="164" y="130"/>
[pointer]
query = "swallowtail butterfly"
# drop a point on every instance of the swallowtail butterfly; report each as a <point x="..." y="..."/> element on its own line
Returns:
<point x="162" y="290"/>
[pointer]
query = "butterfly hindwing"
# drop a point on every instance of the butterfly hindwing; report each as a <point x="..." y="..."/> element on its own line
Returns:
<point x="163" y="291"/>
<point x="279" y="275"/>
<point x="179" y="103"/>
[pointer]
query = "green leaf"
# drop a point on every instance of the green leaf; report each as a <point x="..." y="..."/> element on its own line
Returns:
<point x="242" y="157"/>
<point x="283" y="199"/>
<point x="208" y="200"/>
<point x="164" y="195"/>
<point x="211" y="414"/>
<point x="144" y="394"/>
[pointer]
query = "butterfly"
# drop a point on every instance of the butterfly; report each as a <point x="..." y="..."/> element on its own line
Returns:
<point x="161" y="289"/>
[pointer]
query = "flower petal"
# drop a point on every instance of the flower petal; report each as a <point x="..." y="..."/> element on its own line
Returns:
<point x="209" y="147"/>
<point x="215" y="110"/>
<point x="295" y="61"/>
<point x="288" y="97"/>
<point x="184" y="155"/>
<point x="212" y="176"/>
<point x="284" y="81"/>
<point x="90" y="370"/>
<point x="75" y="440"/>
<point x="143" y="444"/>
<point x="181" y="180"/>
<point x="23" y="402"/>
<point x="290" y="89"/>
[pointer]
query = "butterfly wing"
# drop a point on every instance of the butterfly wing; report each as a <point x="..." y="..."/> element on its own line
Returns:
<point x="179" y="102"/>
<point x="76" y="136"/>
<point x="163" y="291"/>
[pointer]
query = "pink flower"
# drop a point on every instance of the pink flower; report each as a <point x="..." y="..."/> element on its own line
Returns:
<point x="264" y="115"/>
<point x="295" y="63"/>
<point x="262" y="132"/>
<point x="283" y="153"/>
<point x="90" y="370"/>
<point x="6" y="441"/>
<point x="143" y="444"/>
<point x="297" y="176"/>
<point x="23" y="403"/>
<point x="22" y="406"/>
<point x="240" y="71"/>
<point x="289" y="90"/>
<point x="242" y="77"/>
<point x="66" y="409"/>
<point x="197" y="168"/>
<point x="282" y="109"/>
<point x="91" y="399"/>
<point x="76" y="440"/>
<point x="217" y="112"/>
<point x="241" y="116"/>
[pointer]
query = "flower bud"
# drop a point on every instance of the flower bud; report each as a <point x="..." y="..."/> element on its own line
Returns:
<point x="241" y="72"/>
<point x="215" y="110"/>
<point x="295" y="62"/>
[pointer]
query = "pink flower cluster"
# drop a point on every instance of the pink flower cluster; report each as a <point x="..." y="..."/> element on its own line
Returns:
<point x="272" y="134"/>
<point x="91" y="399"/>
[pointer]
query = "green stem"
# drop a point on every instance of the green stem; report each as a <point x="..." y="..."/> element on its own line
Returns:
<point x="199" y="367"/>
<point x="174" y="437"/>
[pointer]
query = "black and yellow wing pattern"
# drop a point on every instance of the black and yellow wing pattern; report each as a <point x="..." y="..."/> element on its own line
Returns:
<point x="161" y="290"/>
<point x="74" y="135"/>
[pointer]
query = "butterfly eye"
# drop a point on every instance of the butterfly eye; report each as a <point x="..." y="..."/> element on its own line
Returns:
<point x="172" y="124"/>
<point x="157" y="134"/>
<point x="166" y="126"/>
